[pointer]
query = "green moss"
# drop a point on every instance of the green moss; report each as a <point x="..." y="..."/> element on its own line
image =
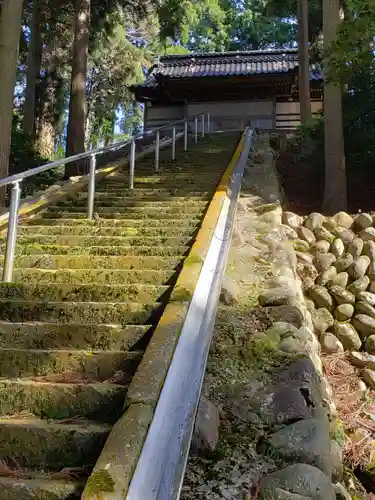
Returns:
<point x="262" y="352"/>
<point x="85" y="312"/>
<point x="182" y="294"/>
<point x="58" y="292"/>
<point x="337" y="432"/>
<point x="98" y="483"/>
<point x="192" y="259"/>
<point x="125" y="250"/>
<point x="269" y="207"/>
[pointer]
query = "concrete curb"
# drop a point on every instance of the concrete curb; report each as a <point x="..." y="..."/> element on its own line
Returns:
<point x="148" y="381"/>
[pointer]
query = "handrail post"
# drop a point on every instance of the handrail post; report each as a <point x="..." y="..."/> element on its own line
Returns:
<point x="186" y="135"/>
<point x="91" y="191"/>
<point x="196" y="129"/>
<point x="132" y="165"/>
<point x="208" y="122"/>
<point x="174" y="143"/>
<point x="203" y="125"/>
<point x="157" y="150"/>
<point x="12" y="233"/>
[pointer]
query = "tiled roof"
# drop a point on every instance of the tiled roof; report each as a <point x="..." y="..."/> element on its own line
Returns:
<point x="255" y="62"/>
<point x="227" y="64"/>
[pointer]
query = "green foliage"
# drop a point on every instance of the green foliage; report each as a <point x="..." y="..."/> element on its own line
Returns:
<point x="353" y="50"/>
<point x="24" y="157"/>
<point x="211" y="25"/>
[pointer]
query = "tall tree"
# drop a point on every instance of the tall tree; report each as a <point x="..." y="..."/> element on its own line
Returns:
<point x="75" y="141"/>
<point x="335" y="195"/>
<point x="55" y="79"/>
<point x="304" y="61"/>
<point x="34" y="61"/>
<point x="10" y="29"/>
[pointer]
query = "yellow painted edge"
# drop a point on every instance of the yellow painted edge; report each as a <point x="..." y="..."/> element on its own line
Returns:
<point x="148" y="380"/>
<point x="201" y="244"/>
<point x="175" y="312"/>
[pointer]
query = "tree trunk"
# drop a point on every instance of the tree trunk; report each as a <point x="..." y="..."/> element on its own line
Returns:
<point x="10" y="30"/>
<point x="335" y="196"/>
<point x="34" y="60"/>
<point x="47" y="110"/>
<point x="46" y="139"/>
<point x="75" y="142"/>
<point x="304" y="61"/>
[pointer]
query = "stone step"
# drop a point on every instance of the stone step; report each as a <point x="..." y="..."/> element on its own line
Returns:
<point x="44" y="487"/>
<point x="112" y="201"/>
<point x="144" y="198"/>
<point x="92" y="262"/>
<point x="89" y="365"/>
<point x="152" y="193"/>
<point x="189" y="185"/>
<point x="140" y="224"/>
<point x="197" y="185"/>
<point x="96" y="292"/>
<point x="125" y="250"/>
<point x="35" y="443"/>
<point x="173" y="178"/>
<point x="101" y="402"/>
<point x="124" y="313"/>
<point x="106" y="230"/>
<point x="89" y="336"/>
<point x="87" y="276"/>
<point x="142" y="211"/>
<point x="56" y="213"/>
<point x="114" y="242"/>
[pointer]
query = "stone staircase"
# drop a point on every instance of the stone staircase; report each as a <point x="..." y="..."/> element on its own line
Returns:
<point x="85" y="300"/>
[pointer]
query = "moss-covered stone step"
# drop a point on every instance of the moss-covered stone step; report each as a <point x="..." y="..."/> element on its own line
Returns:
<point x="143" y="211"/>
<point x="187" y="184"/>
<point x="141" y="204"/>
<point x="55" y="213"/>
<point x="104" y="223"/>
<point x="106" y="230"/>
<point x="90" y="365"/>
<point x="144" y="198"/>
<point x="140" y="194"/>
<point x="124" y="313"/>
<point x="95" y="401"/>
<point x="35" y="249"/>
<point x="59" y="292"/>
<point x="35" y="443"/>
<point x="101" y="241"/>
<point x="162" y="179"/>
<point x="86" y="276"/>
<point x="41" y="488"/>
<point x="66" y="261"/>
<point x="90" y="336"/>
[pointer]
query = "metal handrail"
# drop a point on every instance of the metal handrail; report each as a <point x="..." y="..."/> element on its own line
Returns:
<point x="161" y="466"/>
<point x="16" y="179"/>
<point x="64" y="161"/>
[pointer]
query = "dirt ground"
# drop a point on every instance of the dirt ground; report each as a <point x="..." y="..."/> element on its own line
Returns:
<point x="304" y="183"/>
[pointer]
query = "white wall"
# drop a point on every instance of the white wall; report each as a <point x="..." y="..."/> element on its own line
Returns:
<point x="233" y="115"/>
<point x="157" y="116"/>
<point x="288" y="113"/>
<point x="236" y="115"/>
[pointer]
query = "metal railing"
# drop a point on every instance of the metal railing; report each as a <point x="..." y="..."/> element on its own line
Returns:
<point x="161" y="466"/>
<point x="15" y="180"/>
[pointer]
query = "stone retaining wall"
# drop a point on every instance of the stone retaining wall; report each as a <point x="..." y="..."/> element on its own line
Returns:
<point x="302" y="436"/>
